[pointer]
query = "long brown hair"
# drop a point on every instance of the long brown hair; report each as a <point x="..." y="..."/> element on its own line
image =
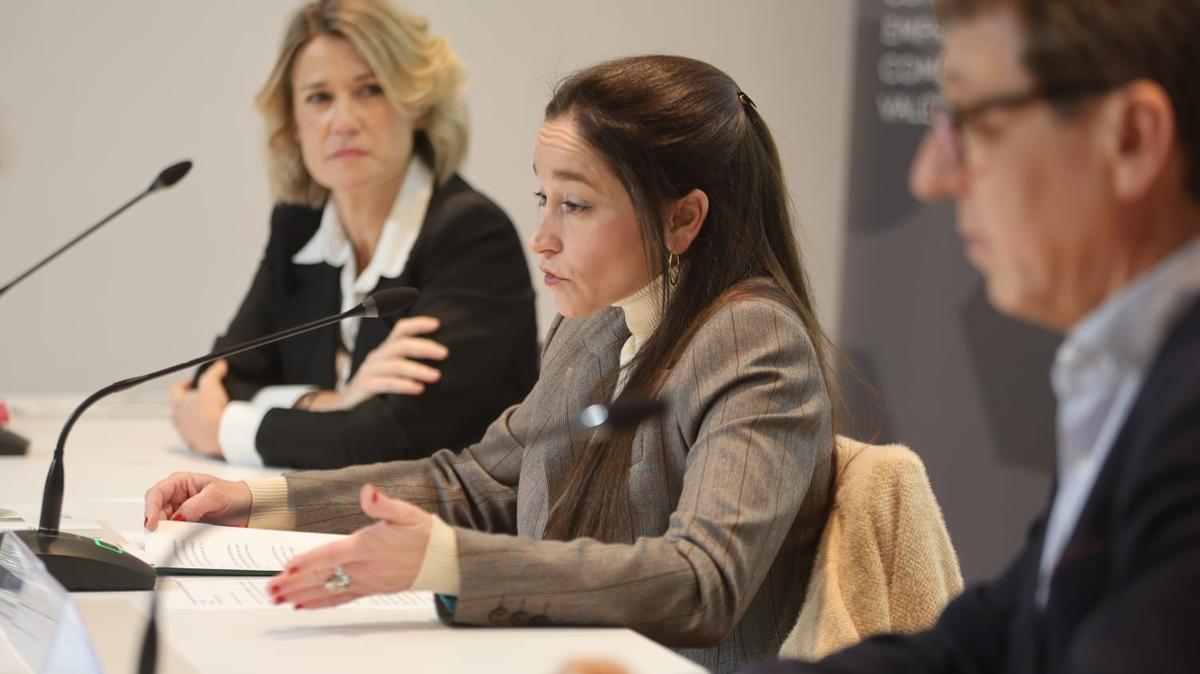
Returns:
<point x="667" y="125"/>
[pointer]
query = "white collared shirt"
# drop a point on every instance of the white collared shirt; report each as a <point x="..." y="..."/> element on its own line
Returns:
<point x="329" y="245"/>
<point x="1097" y="374"/>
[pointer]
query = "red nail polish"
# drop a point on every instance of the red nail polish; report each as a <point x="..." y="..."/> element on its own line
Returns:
<point x="279" y="599"/>
<point x="177" y="517"/>
<point x="375" y="496"/>
<point x="297" y="607"/>
<point x="293" y="569"/>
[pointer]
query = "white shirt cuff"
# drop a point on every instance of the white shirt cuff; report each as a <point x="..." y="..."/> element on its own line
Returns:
<point x="439" y="566"/>
<point x="238" y="429"/>
<point x="280" y="396"/>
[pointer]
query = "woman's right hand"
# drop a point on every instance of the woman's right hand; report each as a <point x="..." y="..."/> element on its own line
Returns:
<point x="196" y="497"/>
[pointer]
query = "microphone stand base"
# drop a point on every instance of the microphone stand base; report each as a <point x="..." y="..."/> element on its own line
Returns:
<point x="12" y="444"/>
<point x="88" y="564"/>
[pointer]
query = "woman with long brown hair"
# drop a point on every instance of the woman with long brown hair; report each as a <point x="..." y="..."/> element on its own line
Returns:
<point x="666" y="237"/>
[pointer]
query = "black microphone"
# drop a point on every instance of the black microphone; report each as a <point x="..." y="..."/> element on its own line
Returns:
<point x="81" y="563"/>
<point x="169" y="176"/>
<point x="621" y="414"/>
<point x="12" y="444"/>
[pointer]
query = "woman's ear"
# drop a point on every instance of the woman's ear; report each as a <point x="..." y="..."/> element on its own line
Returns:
<point x="684" y="221"/>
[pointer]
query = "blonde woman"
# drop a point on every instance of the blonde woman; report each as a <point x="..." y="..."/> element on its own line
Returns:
<point x="365" y="131"/>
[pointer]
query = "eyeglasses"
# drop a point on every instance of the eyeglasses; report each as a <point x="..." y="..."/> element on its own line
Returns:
<point x="948" y="122"/>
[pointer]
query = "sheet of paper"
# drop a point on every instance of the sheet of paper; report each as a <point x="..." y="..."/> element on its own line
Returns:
<point x="25" y="516"/>
<point x="188" y="547"/>
<point x="11" y="520"/>
<point x="251" y="593"/>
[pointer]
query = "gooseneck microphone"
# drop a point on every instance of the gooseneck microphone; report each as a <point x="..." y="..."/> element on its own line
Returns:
<point x="10" y="442"/>
<point x="169" y="176"/>
<point x="81" y="563"/>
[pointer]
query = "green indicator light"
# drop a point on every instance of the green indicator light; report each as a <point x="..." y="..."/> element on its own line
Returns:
<point x="108" y="546"/>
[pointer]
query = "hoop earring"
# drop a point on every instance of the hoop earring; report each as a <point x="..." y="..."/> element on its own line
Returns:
<point x="673" y="269"/>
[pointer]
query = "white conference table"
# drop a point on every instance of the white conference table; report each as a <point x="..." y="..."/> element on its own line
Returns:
<point x="122" y="446"/>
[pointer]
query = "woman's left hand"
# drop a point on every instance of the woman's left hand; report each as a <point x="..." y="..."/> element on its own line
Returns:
<point x="380" y="558"/>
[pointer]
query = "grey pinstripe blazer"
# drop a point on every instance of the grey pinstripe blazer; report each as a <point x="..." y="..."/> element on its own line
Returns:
<point x="727" y="490"/>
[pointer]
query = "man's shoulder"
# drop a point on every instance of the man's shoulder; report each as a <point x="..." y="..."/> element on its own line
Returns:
<point x="1157" y="443"/>
<point x="1175" y="372"/>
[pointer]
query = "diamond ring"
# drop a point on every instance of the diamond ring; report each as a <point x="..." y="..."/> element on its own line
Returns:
<point x="339" y="581"/>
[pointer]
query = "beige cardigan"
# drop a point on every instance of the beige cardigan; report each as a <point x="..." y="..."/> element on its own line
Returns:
<point x="885" y="562"/>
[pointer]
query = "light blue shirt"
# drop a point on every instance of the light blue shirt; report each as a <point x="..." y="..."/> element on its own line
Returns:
<point x="1097" y="374"/>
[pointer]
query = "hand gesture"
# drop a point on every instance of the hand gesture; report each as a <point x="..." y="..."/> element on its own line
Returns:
<point x="380" y="558"/>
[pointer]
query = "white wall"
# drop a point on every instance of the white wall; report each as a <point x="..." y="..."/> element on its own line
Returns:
<point x="96" y="98"/>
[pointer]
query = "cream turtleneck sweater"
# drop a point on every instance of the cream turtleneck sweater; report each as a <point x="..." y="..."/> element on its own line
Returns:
<point x="270" y="508"/>
<point x="643" y="311"/>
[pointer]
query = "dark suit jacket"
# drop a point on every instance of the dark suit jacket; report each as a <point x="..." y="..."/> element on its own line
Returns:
<point x="1125" y="595"/>
<point x="468" y="264"/>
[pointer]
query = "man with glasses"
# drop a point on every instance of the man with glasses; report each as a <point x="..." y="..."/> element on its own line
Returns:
<point x="1071" y="144"/>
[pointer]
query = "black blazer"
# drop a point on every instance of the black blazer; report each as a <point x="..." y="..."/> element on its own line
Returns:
<point x="1125" y="597"/>
<point x="467" y="262"/>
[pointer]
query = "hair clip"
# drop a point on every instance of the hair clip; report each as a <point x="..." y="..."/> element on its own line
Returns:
<point x="746" y="100"/>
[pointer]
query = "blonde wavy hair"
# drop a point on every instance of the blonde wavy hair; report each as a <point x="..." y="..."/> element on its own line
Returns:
<point x="417" y="71"/>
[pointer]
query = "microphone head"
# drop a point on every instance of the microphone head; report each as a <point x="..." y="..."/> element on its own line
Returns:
<point x="621" y="414"/>
<point x="171" y="175"/>
<point x="389" y="301"/>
